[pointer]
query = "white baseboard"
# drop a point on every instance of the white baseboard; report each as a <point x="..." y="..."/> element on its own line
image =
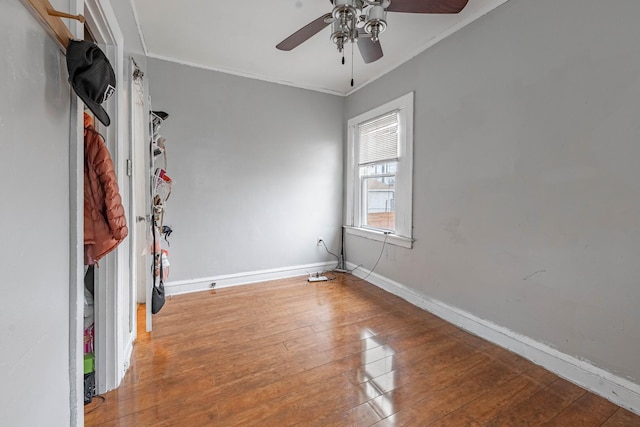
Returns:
<point x="618" y="390"/>
<point x="225" y="281"/>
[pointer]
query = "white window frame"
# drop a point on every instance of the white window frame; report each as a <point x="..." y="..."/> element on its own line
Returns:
<point x="402" y="236"/>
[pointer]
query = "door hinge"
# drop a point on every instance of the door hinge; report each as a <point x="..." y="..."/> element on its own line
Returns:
<point x="129" y="167"/>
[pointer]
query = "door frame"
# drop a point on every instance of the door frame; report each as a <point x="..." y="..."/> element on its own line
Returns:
<point x="111" y="362"/>
<point x="112" y="347"/>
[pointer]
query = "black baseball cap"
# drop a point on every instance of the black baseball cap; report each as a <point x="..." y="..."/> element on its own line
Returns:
<point x="91" y="76"/>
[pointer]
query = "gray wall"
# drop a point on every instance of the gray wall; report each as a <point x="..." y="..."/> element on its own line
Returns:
<point x="129" y="27"/>
<point x="34" y="254"/>
<point x="526" y="175"/>
<point x="257" y="171"/>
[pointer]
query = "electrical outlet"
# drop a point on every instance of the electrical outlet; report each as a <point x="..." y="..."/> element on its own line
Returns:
<point x="320" y="240"/>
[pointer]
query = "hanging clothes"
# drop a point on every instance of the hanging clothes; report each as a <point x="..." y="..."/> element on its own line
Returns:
<point x="105" y="224"/>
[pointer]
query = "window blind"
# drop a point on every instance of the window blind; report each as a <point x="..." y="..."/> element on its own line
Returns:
<point x="378" y="139"/>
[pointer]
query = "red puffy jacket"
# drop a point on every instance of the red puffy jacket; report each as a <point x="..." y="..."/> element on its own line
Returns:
<point x="105" y="224"/>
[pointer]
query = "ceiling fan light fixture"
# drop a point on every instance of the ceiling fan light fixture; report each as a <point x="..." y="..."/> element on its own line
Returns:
<point x="339" y="35"/>
<point x="344" y="11"/>
<point x="345" y="15"/>
<point x="376" y="22"/>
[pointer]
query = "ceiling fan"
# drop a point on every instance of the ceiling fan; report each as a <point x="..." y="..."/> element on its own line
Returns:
<point x="362" y="22"/>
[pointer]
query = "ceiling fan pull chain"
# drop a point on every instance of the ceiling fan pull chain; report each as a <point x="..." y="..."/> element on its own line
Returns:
<point x="351" y="64"/>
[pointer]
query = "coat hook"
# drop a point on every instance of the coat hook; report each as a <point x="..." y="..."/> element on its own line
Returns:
<point x="54" y="12"/>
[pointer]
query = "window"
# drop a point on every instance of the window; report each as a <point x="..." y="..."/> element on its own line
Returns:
<point x="379" y="180"/>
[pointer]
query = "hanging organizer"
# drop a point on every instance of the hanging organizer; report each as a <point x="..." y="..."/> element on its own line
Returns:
<point x="160" y="192"/>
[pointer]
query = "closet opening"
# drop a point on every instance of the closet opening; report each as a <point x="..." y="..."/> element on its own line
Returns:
<point x="107" y="340"/>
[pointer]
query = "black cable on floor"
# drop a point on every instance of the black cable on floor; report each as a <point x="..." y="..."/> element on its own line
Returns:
<point x="384" y="242"/>
<point x="98" y="405"/>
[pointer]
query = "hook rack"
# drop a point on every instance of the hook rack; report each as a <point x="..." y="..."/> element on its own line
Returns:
<point x="51" y="20"/>
<point x="54" y="12"/>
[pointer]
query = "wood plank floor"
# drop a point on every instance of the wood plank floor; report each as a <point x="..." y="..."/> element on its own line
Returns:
<point x="338" y="353"/>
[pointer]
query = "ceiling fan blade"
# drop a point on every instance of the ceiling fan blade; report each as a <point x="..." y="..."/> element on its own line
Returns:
<point x="304" y="33"/>
<point x="371" y="51"/>
<point x="427" y="6"/>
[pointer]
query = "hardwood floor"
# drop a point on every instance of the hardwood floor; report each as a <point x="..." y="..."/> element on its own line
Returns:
<point x="338" y="353"/>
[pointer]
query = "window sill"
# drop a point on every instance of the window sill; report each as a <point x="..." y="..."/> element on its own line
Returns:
<point x="392" y="239"/>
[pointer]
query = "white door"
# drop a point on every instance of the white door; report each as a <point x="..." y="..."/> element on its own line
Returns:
<point x="141" y="203"/>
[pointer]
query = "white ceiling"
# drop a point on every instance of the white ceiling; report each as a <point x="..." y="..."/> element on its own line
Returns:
<point x="239" y="37"/>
